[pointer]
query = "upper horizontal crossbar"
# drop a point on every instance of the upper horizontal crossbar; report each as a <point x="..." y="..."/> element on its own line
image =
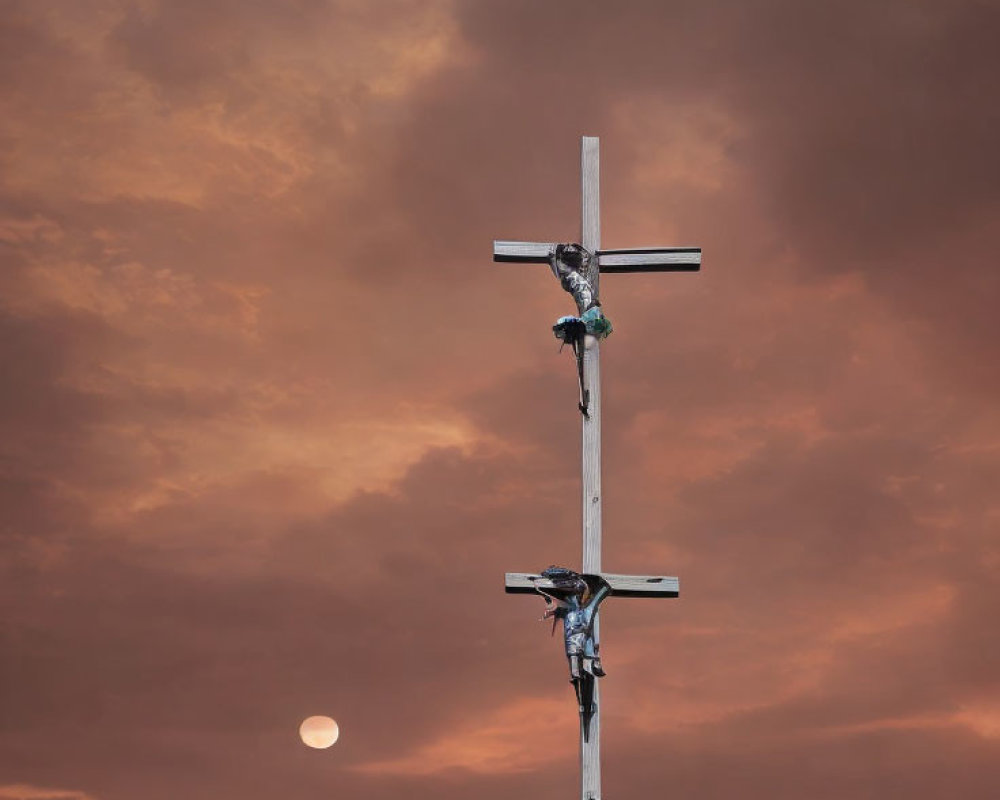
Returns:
<point x="621" y="585"/>
<point x="635" y="259"/>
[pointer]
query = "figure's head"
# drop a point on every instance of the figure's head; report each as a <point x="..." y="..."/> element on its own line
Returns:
<point x="565" y="580"/>
<point x="573" y="256"/>
<point x="555" y="573"/>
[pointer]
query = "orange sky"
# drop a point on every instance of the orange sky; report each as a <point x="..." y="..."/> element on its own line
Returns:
<point x="274" y="425"/>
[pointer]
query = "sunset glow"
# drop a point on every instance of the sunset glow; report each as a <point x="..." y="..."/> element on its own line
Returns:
<point x="274" y="425"/>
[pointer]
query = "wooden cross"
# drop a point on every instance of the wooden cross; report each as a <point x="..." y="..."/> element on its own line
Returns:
<point x="645" y="259"/>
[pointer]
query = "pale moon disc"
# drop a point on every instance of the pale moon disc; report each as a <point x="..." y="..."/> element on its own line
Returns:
<point x="319" y="732"/>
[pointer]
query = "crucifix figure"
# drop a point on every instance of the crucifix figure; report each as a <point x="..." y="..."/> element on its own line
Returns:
<point x="570" y="264"/>
<point x="578" y="268"/>
<point x="574" y="600"/>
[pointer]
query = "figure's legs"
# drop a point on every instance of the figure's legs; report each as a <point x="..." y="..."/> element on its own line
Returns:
<point x="585" y="698"/>
<point x="592" y="650"/>
<point x="576" y="645"/>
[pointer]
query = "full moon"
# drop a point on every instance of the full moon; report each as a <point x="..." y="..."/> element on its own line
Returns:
<point x="319" y="732"/>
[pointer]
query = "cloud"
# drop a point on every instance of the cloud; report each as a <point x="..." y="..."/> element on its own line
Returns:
<point x="521" y="736"/>
<point x="273" y="424"/>
<point x="24" y="791"/>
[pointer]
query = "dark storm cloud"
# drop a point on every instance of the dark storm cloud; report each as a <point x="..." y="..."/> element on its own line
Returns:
<point x="869" y="122"/>
<point x="865" y="133"/>
<point x="35" y="354"/>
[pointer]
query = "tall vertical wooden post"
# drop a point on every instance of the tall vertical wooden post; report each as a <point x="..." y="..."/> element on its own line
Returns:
<point x="590" y="238"/>
<point x="642" y="259"/>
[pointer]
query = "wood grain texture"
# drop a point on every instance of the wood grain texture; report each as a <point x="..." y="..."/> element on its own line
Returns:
<point x="621" y="585"/>
<point x="590" y="753"/>
<point x="651" y="259"/>
<point x="590" y="238"/>
<point x="522" y="252"/>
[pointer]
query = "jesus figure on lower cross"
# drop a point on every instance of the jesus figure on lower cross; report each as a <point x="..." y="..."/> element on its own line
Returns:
<point x="574" y="599"/>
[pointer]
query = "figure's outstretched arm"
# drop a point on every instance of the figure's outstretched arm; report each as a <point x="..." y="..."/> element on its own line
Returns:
<point x="599" y="589"/>
<point x="553" y="604"/>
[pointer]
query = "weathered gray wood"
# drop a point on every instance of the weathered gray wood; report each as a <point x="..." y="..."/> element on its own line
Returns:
<point x="621" y="585"/>
<point x="522" y="252"/>
<point x="590" y="238"/>
<point x="651" y="259"/>
<point x="634" y="259"/>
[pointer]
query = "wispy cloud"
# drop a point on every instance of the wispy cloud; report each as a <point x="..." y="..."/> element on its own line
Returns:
<point x="26" y="791"/>
<point x="524" y="735"/>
